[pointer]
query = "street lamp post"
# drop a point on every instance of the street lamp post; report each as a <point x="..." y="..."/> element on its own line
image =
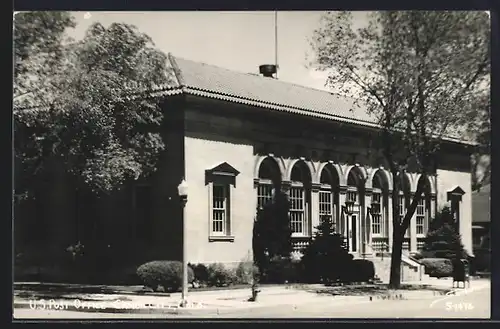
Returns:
<point x="366" y="243"/>
<point x="349" y="205"/>
<point x="183" y="193"/>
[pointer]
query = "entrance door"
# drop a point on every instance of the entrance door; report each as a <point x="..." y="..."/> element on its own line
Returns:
<point x="353" y="236"/>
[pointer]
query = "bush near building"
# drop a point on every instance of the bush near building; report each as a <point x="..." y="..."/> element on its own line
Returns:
<point x="271" y="241"/>
<point x="284" y="270"/>
<point x="220" y="275"/>
<point x="163" y="273"/>
<point x="443" y="240"/>
<point x="362" y="270"/>
<point x="327" y="260"/>
<point x="438" y="267"/>
<point x="200" y="272"/>
<point x="247" y="272"/>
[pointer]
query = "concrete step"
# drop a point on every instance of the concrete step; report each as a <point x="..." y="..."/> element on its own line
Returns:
<point x="408" y="271"/>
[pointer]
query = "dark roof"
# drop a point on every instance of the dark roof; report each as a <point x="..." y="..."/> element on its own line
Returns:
<point x="251" y="87"/>
<point x="481" y="205"/>
<point x="215" y="82"/>
<point x="200" y="79"/>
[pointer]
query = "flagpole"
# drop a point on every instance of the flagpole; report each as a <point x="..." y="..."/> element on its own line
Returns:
<point x="276" y="41"/>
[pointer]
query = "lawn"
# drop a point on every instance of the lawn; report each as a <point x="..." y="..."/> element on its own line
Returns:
<point x="68" y="291"/>
<point x="371" y="289"/>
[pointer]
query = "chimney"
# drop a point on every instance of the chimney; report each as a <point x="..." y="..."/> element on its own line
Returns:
<point x="268" y="70"/>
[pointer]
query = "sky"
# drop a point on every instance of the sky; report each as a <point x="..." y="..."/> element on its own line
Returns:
<point x="239" y="41"/>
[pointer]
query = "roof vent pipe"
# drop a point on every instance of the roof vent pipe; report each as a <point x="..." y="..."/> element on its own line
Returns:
<point x="268" y="70"/>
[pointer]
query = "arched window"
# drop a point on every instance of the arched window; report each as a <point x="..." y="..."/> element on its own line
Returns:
<point x="300" y="199"/>
<point x="269" y="179"/>
<point x="354" y="187"/>
<point x="379" y="205"/>
<point x="328" y="195"/>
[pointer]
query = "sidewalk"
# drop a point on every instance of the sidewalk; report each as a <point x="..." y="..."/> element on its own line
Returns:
<point x="200" y="303"/>
<point x="223" y="301"/>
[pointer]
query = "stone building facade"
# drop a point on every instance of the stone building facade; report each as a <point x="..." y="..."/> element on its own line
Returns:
<point x="268" y="134"/>
<point x="234" y="137"/>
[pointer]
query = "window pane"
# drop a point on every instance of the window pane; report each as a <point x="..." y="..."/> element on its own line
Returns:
<point x="297" y="210"/>
<point x="264" y="194"/>
<point x="220" y="194"/>
<point x="326" y="206"/>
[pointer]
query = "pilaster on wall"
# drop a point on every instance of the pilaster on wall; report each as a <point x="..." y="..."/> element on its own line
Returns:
<point x="390" y="218"/>
<point x="342" y="219"/>
<point x="314" y="207"/>
<point x="285" y="187"/>
<point x="366" y="220"/>
<point x="432" y="211"/>
<point x="413" y="229"/>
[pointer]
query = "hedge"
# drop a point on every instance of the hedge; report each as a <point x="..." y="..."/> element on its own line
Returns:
<point x="437" y="267"/>
<point x="164" y="273"/>
<point x="362" y="270"/>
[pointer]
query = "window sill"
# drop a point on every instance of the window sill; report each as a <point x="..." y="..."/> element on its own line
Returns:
<point x="226" y="238"/>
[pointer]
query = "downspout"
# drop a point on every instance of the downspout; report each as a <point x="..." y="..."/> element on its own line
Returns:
<point x="436" y="185"/>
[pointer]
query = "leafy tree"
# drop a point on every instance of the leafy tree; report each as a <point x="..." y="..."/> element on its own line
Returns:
<point x="422" y="74"/>
<point x="38" y="49"/>
<point x="327" y="257"/>
<point x="481" y="158"/>
<point x="80" y="104"/>
<point x="272" y="233"/>
<point x="442" y="240"/>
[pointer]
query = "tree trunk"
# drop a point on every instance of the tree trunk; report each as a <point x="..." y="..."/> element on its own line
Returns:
<point x="397" y="248"/>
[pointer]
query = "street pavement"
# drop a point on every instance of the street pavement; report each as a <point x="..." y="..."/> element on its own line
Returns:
<point x="466" y="303"/>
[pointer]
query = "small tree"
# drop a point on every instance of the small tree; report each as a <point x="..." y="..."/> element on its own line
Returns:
<point x="327" y="258"/>
<point x="442" y="239"/>
<point x="272" y="233"/>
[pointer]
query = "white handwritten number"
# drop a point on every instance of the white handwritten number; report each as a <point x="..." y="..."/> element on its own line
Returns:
<point x="458" y="307"/>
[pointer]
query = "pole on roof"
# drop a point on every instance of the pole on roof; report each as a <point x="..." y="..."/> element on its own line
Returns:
<point x="276" y="41"/>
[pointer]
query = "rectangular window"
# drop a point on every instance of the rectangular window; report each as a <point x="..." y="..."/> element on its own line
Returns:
<point x="376" y="214"/>
<point x="297" y="211"/>
<point x="264" y="194"/>
<point x="326" y="208"/>
<point x="220" y="210"/>
<point x="420" y="219"/>
<point x="351" y="196"/>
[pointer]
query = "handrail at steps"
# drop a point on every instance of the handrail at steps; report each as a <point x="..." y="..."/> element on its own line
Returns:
<point x="404" y="257"/>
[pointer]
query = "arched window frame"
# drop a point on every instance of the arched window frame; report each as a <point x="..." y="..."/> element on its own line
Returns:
<point x="378" y="210"/>
<point x="379" y="206"/>
<point x="300" y="202"/>
<point x="328" y="197"/>
<point x="353" y="191"/>
<point x="266" y="187"/>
